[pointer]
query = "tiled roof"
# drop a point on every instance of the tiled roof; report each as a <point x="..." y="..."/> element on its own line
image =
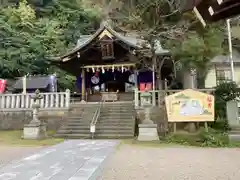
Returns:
<point x="33" y="83"/>
<point x="130" y="40"/>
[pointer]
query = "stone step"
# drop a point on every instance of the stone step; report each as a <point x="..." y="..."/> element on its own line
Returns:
<point x="75" y="117"/>
<point x="83" y="106"/>
<point x="116" y="111"/>
<point x="102" y="127"/>
<point x="74" y="131"/>
<point x="114" y="131"/>
<point x="121" y="107"/>
<point x="115" y="125"/>
<point x="235" y="128"/>
<point x="82" y="119"/>
<point x="82" y="113"/>
<point x="113" y="136"/>
<point x="122" y="124"/>
<point x="116" y="114"/>
<point x="119" y="117"/>
<point x="234" y="132"/>
<point x="115" y="120"/>
<point x="78" y="123"/>
<point x="234" y="137"/>
<point x="79" y="118"/>
<point x="75" y="127"/>
<point x="74" y="136"/>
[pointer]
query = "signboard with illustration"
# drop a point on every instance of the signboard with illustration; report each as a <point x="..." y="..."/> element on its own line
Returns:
<point x="190" y="106"/>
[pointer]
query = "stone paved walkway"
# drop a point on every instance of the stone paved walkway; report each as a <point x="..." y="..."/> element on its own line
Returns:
<point x="70" y="160"/>
<point x="9" y="153"/>
<point x="131" y="162"/>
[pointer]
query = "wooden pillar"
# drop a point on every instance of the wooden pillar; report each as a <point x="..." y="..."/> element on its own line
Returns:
<point x="136" y="78"/>
<point x="153" y="86"/>
<point x="83" y="84"/>
<point x="136" y="94"/>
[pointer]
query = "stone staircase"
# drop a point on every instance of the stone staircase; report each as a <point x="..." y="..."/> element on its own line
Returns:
<point x="78" y="124"/>
<point x="234" y="133"/>
<point x="123" y="96"/>
<point x="117" y="120"/>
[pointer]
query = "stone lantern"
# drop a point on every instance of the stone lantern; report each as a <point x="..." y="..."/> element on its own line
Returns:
<point x="145" y="98"/>
<point x="36" y="129"/>
<point x="147" y="129"/>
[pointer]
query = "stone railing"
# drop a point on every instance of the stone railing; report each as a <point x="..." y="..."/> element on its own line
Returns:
<point x="159" y="95"/>
<point x="50" y="101"/>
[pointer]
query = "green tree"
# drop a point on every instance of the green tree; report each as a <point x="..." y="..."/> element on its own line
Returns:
<point x="191" y="45"/>
<point x="29" y="34"/>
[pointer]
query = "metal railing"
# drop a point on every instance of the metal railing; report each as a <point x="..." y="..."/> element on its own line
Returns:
<point x="95" y="118"/>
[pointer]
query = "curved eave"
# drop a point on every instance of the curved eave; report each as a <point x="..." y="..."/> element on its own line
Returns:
<point x="130" y="41"/>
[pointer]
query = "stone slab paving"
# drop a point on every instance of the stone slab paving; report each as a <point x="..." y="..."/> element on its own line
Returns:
<point x="131" y="162"/>
<point x="70" y="160"/>
<point x="9" y="153"/>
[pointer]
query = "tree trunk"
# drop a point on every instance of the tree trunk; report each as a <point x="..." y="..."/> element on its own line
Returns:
<point x="159" y="83"/>
<point x="189" y="82"/>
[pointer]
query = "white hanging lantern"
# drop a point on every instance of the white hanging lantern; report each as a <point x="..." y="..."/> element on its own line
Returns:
<point x="103" y="71"/>
<point x="93" y="70"/>
<point x="78" y="54"/>
<point x="122" y="69"/>
<point x="113" y="68"/>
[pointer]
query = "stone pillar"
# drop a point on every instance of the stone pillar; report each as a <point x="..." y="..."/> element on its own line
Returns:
<point x="190" y="79"/>
<point x="136" y="97"/>
<point x="24" y="83"/>
<point x="83" y="84"/>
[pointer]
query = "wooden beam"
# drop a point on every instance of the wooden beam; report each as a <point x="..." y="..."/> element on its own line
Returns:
<point x="214" y="10"/>
<point x="110" y="65"/>
<point x="227" y="12"/>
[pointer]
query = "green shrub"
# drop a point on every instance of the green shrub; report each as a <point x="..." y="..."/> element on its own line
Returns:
<point x="220" y="124"/>
<point x="224" y="92"/>
<point x="212" y="138"/>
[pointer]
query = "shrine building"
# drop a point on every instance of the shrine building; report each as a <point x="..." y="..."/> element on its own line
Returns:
<point x="106" y="62"/>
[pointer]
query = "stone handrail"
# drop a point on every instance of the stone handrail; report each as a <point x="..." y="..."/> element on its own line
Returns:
<point x="18" y="102"/>
<point x="160" y="94"/>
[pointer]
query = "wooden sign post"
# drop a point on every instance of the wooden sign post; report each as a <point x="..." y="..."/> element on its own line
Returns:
<point x="190" y="106"/>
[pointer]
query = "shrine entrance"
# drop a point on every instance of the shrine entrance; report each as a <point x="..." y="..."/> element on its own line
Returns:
<point x="115" y="85"/>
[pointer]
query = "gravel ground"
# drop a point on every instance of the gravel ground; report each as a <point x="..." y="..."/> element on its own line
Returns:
<point x="172" y="163"/>
<point x="10" y="153"/>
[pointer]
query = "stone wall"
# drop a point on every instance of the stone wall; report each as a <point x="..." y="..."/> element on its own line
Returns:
<point x="15" y="120"/>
